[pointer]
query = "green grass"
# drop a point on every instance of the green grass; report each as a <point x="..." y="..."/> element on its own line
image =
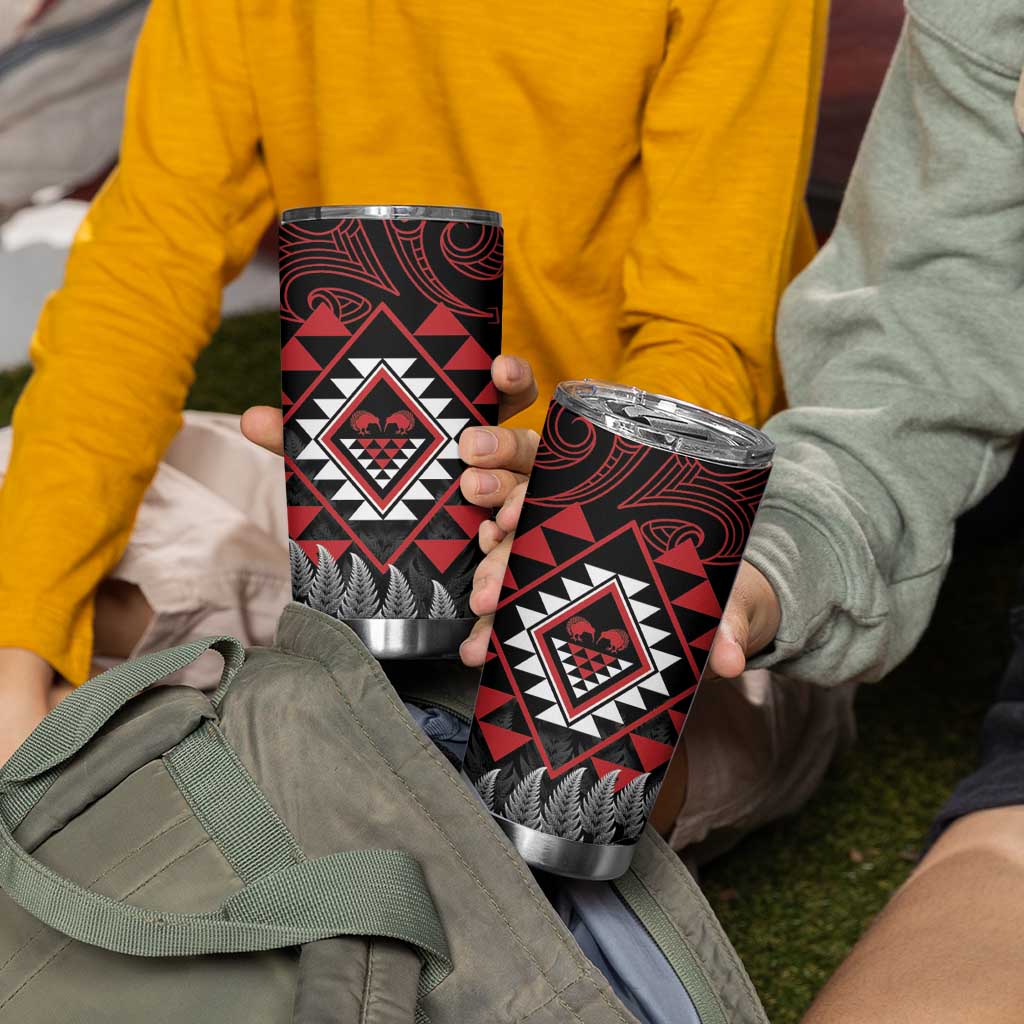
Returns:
<point x="240" y="367"/>
<point x="794" y="897"/>
<point x="11" y="383"/>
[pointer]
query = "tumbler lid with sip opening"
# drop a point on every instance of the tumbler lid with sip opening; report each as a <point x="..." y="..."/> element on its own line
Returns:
<point x="667" y="423"/>
<point x="463" y="214"/>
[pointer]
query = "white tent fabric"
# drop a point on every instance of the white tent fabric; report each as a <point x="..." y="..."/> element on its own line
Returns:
<point x="18" y="17"/>
<point x="63" y="69"/>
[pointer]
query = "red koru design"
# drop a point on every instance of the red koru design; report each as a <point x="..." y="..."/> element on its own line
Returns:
<point x="720" y="500"/>
<point x="408" y="242"/>
<point x="362" y="421"/>
<point x="614" y="639"/>
<point x="316" y="262"/>
<point x="662" y="534"/>
<point x="403" y="421"/>
<point x="348" y="306"/>
<point x="481" y="258"/>
<point x="562" y="453"/>
<point x="567" y="441"/>
<point x="578" y="628"/>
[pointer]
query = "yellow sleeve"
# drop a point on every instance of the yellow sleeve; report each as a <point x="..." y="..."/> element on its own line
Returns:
<point x="115" y="346"/>
<point x="726" y="144"/>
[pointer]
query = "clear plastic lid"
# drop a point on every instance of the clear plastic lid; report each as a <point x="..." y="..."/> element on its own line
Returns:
<point x="456" y="213"/>
<point x="666" y="423"/>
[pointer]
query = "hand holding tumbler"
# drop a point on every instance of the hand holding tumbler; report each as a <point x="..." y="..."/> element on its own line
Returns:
<point x="635" y="520"/>
<point x="390" y="321"/>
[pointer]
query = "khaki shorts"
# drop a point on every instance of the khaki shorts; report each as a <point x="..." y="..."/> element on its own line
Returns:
<point x="209" y="554"/>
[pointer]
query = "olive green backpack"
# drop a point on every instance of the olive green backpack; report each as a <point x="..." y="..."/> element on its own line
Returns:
<point x="294" y="848"/>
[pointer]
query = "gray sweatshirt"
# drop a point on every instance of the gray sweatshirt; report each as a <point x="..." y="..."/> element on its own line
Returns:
<point x="902" y="348"/>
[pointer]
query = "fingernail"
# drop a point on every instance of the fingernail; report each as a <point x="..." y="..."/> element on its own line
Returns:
<point x="486" y="483"/>
<point x="483" y="442"/>
<point x="516" y="368"/>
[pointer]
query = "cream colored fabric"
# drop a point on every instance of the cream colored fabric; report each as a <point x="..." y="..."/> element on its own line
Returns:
<point x="758" y="747"/>
<point x="208" y="549"/>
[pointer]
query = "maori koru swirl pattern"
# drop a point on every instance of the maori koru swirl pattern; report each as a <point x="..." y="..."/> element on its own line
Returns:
<point x="621" y="566"/>
<point x="388" y="332"/>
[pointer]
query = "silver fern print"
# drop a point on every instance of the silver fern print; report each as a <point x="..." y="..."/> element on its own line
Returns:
<point x="523" y="804"/>
<point x="441" y="604"/>
<point x="600" y="815"/>
<point x="399" y="602"/>
<point x="650" y="799"/>
<point x="561" y="815"/>
<point x="326" y="590"/>
<point x="485" y="787"/>
<point x="360" y="599"/>
<point x="597" y="812"/>
<point x="302" y="570"/>
<point x="292" y="445"/>
<point x="631" y="807"/>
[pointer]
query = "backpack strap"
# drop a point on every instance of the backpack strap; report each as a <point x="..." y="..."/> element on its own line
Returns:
<point x="358" y="892"/>
<point x="80" y="715"/>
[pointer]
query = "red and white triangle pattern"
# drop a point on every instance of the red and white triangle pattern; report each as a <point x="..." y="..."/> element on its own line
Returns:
<point x="586" y="669"/>
<point x="381" y="458"/>
<point x="643" y="686"/>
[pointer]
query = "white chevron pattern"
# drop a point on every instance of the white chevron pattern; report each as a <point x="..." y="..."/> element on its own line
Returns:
<point x="585" y="667"/>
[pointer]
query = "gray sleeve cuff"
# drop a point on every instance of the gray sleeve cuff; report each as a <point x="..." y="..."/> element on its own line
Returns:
<point x="804" y="570"/>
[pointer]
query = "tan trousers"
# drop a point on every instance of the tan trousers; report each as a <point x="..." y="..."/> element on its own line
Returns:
<point x="209" y="553"/>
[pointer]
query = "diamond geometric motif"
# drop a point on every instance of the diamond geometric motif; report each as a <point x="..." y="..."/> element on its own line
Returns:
<point x="381" y="437"/>
<point x="591" y="646"/>
<point x="590" y="656"/>
<point x="377" y="434"/>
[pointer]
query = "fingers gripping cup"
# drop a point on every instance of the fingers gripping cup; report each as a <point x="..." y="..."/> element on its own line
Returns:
<point x="635" y="520"/>
<point x="390" y="321"/>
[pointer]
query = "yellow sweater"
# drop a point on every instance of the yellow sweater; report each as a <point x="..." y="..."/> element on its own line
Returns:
<point x="649" y="159"/>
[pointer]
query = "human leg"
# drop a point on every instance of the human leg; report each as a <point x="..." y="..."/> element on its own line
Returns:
<point x="949" y="945"/>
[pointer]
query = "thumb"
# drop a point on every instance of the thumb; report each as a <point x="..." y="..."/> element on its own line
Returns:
<point x="750" y="623"/>
<point x="728" y="656"/>
<point x="262" y="425"/>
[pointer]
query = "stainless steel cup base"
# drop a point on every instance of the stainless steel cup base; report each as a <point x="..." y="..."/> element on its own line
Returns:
<point x="566" y="857"/>
<point x="393" y="639"/>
